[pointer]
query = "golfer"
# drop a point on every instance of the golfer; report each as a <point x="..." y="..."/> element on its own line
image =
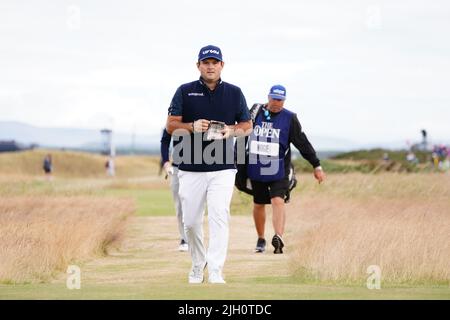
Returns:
<point x="206" y="161"/>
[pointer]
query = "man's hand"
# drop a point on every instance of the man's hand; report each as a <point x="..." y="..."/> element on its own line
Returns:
<point x="319" y="174"/>
<point x="168" y="168"/>
<point x="227" y="132"/>
<point x="200" y="125"/>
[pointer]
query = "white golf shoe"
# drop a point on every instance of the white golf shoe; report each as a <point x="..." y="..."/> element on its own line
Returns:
<point x="216" y="277"/>
<point x="196" y="275"/>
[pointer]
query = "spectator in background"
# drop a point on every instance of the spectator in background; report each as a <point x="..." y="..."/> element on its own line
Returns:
<point x="411" y="157"/>
<point x="435" y="158"/>
<point x="447" y="160"/>
<point x="439" y="155"/>
<point x="110" y="168"/>
<point x="48" y="166"/>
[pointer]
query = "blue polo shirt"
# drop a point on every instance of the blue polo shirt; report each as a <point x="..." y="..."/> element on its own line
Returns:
<point x="193" y="101"/>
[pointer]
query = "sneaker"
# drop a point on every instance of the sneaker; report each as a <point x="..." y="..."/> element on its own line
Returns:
<point x="183" y="246"/>
<point x="196" y="275"/>
<point x="260" y="245"/>
<point x="215" y="277"/>
<point x="278" y="244"/>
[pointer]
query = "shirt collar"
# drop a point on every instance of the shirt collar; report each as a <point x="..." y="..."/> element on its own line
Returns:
<point x="219" y="82"/>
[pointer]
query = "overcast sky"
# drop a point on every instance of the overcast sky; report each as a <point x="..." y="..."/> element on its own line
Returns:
<point x="360" y="70"/>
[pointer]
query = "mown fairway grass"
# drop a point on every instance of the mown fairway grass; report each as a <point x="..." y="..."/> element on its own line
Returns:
<point x="245" y="289"/>
<point x="153" y="202"/>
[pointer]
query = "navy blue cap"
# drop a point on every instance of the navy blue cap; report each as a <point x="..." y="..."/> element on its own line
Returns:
<point x="210" y="52"/>
<point x="278" y="92"/>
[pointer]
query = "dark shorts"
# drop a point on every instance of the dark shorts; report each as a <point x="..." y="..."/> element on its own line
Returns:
<point x="264" y="191"/>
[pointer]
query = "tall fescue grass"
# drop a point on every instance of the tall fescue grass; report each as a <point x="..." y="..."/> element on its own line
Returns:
<point x="400" y="223"/>
<point x="43" y="235"/>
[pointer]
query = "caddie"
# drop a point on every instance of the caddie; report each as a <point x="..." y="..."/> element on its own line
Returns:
<point x="274" y="130"/>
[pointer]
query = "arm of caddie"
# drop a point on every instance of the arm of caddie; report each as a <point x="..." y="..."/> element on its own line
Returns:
<point x="319" y="174"/>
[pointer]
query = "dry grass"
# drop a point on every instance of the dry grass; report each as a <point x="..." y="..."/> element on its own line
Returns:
<point x="42" y="235"/>
<point x="398" y="222"/>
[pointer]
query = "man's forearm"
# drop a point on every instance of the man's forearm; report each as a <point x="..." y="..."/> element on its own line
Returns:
<point x="242" y="129"/>
<point x="177" y="127"/>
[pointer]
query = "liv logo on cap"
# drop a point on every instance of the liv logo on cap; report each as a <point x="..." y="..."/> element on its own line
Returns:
<point x="210" y="52"/>
<point x="278" y="92"/>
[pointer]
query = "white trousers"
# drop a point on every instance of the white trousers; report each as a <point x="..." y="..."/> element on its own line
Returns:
<point x="175" y="186"/>
<point x="216" y="189"/>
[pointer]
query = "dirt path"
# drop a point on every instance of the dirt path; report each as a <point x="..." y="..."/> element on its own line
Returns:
<point x="150" y="254"/>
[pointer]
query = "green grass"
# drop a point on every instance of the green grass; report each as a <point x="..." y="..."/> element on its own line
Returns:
<point x="241" y="203"/>
<point x="154" y="202"/>
<point x="251" y="288"/>
<point x="159" y="202"/>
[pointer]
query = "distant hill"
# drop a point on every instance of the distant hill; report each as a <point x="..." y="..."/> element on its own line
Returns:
<point x="89" y="139"/>
<point x="76" y="164"/>
<point x="72" y="138"/>
<point x="372" y="161"/>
